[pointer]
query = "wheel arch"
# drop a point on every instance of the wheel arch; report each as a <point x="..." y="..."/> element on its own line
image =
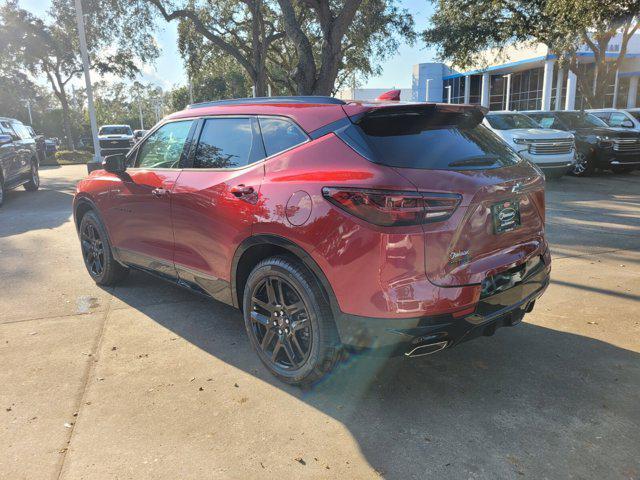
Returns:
<point x="85" y="204"/>
<point x="258" y="247"/>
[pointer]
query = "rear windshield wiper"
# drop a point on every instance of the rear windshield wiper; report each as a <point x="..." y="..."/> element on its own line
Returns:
<point x="475" y="162"/>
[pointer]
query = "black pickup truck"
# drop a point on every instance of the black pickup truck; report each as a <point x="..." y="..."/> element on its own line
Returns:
<point x="597" y="144"/>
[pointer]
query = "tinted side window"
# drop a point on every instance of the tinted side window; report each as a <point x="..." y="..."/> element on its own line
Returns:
<point x="225" y="143"/>
<point x="7" y="130"/>
<point x="617" y="119"/>
<point x="279" y="134"/>
<point x="164" y="148"/>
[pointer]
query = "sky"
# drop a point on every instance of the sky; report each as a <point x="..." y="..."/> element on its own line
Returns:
<point x="168" y="70"/>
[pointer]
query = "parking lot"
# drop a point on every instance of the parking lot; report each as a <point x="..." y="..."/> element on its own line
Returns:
<point x="149" y="381"/>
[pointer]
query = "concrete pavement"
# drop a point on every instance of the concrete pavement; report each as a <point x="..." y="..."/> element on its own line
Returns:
<point x="149" y="381"/>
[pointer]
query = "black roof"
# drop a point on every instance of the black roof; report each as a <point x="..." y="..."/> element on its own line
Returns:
<point x="316" y="99"/>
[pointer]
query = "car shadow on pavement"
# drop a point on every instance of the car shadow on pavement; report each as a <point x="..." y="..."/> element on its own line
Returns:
<point x="528" y="401"/>
<point x="22" y="211"/>
<point x="594" y="214"/>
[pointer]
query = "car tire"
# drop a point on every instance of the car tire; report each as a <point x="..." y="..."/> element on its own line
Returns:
<point x="34" y="178"/>
<point x="290" y="324"/>
<point x="584" y="165"/>
<point x="1" y="190"/>
<point x="97" y="253"/>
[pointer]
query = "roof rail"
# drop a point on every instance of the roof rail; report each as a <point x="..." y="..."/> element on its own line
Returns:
<point x="317" y="99"/>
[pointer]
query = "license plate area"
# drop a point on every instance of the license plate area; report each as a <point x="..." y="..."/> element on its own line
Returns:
<point x="506" y="216"/>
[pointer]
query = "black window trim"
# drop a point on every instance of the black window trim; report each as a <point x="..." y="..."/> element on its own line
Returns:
<point x="255" y="118"/>
<point x="131" y="158"/>
<point x="190" y="160"/>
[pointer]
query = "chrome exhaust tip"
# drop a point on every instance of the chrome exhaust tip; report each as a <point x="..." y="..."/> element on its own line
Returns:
<point x="426" y="349"/>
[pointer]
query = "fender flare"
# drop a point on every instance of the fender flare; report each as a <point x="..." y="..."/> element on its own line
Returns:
<point x="295" y="249"/>
<point x="77" y="202"/>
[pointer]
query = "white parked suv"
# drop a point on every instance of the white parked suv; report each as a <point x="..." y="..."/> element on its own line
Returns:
<point x="553" y="151"/>
<point x="115" y="139"/>
<point x="618" y="118"/>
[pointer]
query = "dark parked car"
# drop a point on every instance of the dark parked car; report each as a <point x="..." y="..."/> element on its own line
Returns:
<point x="18" y="157"/>
<point x="41" y="149"/>
<point x="51" y="146"/>
<point x="406" y="227"/>
<point x="597" y="144"/>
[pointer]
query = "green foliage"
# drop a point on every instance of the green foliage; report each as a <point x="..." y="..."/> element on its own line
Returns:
<point x="296" y="46"/>
<point x="72" y="157"/>
<point x="48" y="48"/>
<point x="462" y="30"/>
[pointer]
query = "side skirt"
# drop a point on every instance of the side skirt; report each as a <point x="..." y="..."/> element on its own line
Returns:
<point x="193" y="280"/>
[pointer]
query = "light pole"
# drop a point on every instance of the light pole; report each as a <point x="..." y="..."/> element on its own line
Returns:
<point x="140" y="113"/>
<point x="87" y="80"/>
<point x="29" y="109"/>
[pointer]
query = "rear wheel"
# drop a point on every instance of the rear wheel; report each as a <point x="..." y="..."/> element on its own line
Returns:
<point x="96" y="252"/>
<point x="289" y="322"/>
<point x="34" y="178"/>
<point x="584" y="165"/>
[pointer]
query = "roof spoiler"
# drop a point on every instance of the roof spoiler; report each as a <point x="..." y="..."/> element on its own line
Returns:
<point x="470" y="115"/>
<point x="391" y="95"/>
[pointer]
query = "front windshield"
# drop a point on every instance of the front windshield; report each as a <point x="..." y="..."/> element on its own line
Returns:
<point x="581" y="120"/>
<point x="636" y="114"/>
<point x="115" y="131"/>
<point x="510" y="121"/>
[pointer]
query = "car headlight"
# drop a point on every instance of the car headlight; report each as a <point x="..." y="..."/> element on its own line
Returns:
<point x="520" y="141"/>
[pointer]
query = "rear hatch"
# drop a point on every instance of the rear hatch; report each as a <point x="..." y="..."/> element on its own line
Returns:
<point x="499" y="222"/>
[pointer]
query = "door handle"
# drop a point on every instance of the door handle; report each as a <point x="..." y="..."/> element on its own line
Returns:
<point x="241" y="190"/>
<point x="160" y="192"/>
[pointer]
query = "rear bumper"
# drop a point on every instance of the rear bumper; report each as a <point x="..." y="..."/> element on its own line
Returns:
<point x="397" y="336"/>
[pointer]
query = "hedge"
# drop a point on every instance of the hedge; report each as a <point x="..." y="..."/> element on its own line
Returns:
<point x="72" y="157"/>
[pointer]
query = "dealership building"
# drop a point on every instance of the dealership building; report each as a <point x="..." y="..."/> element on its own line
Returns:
<point x="527" y="78"/>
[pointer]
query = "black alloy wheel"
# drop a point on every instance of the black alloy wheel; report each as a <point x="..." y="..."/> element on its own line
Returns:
<point x="92" y="249"/>
<point x="289" y="321"/>
<point x="280" y="323"/>
<point x="34" y="178"/>
<point x="583" y="166"/>
<point x="96" y="252"/>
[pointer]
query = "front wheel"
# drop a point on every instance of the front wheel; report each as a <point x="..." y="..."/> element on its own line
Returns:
<point x="96" y="252"/>
<point x="584" y="165"/>
<point x="34" y="178"/>
<point x="289" y="322"/>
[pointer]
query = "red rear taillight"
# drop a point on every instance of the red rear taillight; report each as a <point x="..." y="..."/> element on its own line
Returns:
<point x="393" y="209"/>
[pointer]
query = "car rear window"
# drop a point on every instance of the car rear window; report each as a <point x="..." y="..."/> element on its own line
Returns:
<point x="431" y="139"/>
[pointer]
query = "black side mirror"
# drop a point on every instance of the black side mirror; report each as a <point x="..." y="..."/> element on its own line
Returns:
<point x="4" y="139"/>
<point x="115" y="163"/>
<point x="627" y="124"/>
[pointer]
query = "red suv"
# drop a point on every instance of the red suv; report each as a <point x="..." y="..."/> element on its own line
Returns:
<point x="331" y="225"/>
